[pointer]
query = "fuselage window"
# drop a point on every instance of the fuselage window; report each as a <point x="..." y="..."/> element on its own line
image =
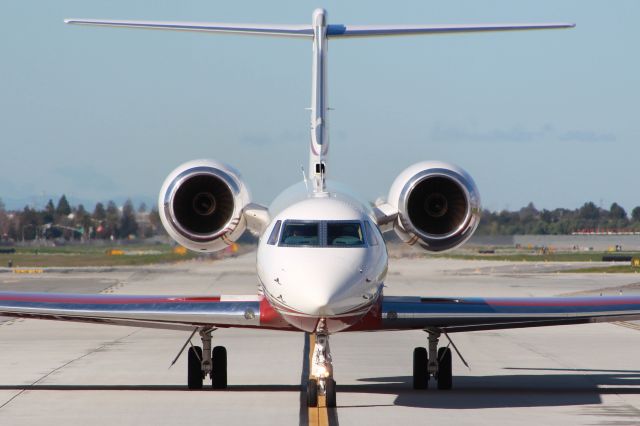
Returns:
<point x="344" y="234"/>
<point x="371" y="236"/>
<point x="273" y="238"/>
<point x="301" y="234"/>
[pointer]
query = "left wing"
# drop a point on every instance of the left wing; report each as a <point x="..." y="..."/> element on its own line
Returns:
<point x="167" y="312"/>
<point x="471" y="314"/>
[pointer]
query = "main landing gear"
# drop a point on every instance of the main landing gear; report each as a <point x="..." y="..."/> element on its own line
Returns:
<point x="204" y="361"/>
<point x="321" y="380"/>
<point x="436" y="363"/>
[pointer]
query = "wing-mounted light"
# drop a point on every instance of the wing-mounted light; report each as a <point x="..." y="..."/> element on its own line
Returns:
<point x="438" y="205"/>
<point x="201" y="205"/>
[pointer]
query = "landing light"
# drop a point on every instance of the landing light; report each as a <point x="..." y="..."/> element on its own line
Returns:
<point x="322" y="371"/>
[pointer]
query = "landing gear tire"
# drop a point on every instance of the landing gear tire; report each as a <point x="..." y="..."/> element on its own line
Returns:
<point x="330" y="393"/>
<point x="312" y="393"/>
<point x="445" y="377"/>
<point x="219" y="367"/>
<point x="420" y="372"/>
<point x="195" y="376"/>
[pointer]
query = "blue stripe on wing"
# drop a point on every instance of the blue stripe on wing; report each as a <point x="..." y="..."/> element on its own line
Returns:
<point x="466" y="314"/>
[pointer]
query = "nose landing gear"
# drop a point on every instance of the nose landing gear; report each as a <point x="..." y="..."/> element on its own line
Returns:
<point x="321" y="380"/>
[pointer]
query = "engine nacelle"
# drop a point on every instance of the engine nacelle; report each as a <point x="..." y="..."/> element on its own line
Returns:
<point x="201" y="205"/>
<point x="438" y="205"/>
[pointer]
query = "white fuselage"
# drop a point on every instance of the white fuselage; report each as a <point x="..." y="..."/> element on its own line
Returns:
<point x="333" y="275"/>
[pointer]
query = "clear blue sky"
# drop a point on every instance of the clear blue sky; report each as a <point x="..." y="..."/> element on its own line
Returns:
<point x="99" y="113"/>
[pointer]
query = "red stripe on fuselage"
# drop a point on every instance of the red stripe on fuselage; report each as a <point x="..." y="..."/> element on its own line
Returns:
<point x="372" y="320"/>
<point x="269" y="317"/>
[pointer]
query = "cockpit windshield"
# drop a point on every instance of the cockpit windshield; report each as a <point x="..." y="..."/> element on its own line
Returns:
<point x="344" y="234"/>
<point x="320" y="234"/>
<point x="301" y="234"/>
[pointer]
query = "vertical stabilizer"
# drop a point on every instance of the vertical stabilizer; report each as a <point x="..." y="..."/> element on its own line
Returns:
<point x="319" y="135"/>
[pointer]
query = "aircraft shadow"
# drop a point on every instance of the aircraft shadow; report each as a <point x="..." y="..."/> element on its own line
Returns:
<point x="556" y="388"/>
<point x="510" y="390"/>
<point x="147" y="388"/>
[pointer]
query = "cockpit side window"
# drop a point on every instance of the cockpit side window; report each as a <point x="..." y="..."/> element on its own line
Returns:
<point x="344" y="234"/>
<point x="273" y="238"/>
<point x="371" y="236"/>
<point x="300" y="234"/>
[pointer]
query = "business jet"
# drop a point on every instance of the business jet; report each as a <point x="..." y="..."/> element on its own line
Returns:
<point x="321" y="256"/>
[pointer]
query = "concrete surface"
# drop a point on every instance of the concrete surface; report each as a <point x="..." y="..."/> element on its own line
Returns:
<point x="581" y="242"/>
<point x="78" y="374"/>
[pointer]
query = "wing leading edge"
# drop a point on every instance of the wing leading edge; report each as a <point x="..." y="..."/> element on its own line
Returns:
<point x="473" y="314"/>
<point x="166" y="312"/>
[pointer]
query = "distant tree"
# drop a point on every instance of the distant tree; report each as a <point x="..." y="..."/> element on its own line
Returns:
<point x="63" y="208"/>
<point x="5" y="222"/>
<point x="2" y="206"/>
<point x="616" y="212"/>
<point x="529" y="212"/>
<point x="83" y="219"/>
<point x="48" y="215"/>
<point x="99" y="213"/>
<point x="528" y="220"/>
<point x="29" y="222"/>
<point x="548" y="217"/>
<point x="142" y="208"/>
<point x="12" y="233"/>
<point x="112" y="220"/>
<point x="80" y="211"/>
<point x="589" y="211"/>
<point x="98" y="217"/>
<point x="128" y="224"/>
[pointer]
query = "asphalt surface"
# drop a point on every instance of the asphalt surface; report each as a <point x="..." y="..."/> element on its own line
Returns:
<point x="78" y="374"/>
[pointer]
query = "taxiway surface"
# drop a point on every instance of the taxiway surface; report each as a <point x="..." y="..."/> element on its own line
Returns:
<point x="78" y="374"/>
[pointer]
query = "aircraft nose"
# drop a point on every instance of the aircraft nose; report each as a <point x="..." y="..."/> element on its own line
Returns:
<point x="327" y="287"/>
<point x="319" y="303"/>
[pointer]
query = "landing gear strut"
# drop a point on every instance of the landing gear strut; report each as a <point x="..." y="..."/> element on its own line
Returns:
<point x="321" y="381"/>
<point x="432" y="362"/>
<point x="204" y="361"/>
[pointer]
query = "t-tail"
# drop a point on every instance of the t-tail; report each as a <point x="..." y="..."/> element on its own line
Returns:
<point x="319" y="32"/>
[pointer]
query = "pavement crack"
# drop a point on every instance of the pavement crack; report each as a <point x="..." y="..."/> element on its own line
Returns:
<point x="98" y="349"/>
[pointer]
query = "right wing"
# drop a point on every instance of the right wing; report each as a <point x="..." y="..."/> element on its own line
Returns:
<point x="474" y="314"/>
<point x="166" y="312"/>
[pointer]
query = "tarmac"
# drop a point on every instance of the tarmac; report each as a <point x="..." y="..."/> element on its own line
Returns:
<point x="77" y="374"/>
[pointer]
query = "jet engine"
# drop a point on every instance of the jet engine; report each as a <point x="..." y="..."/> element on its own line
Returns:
<point x="438" y="205"/>
<point x="201" y="205"/>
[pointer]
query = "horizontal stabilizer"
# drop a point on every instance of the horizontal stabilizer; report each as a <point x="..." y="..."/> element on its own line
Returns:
<point x="210" y="27"/>
<point x="336" y="31"/>
<point x="306" y="31"/>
